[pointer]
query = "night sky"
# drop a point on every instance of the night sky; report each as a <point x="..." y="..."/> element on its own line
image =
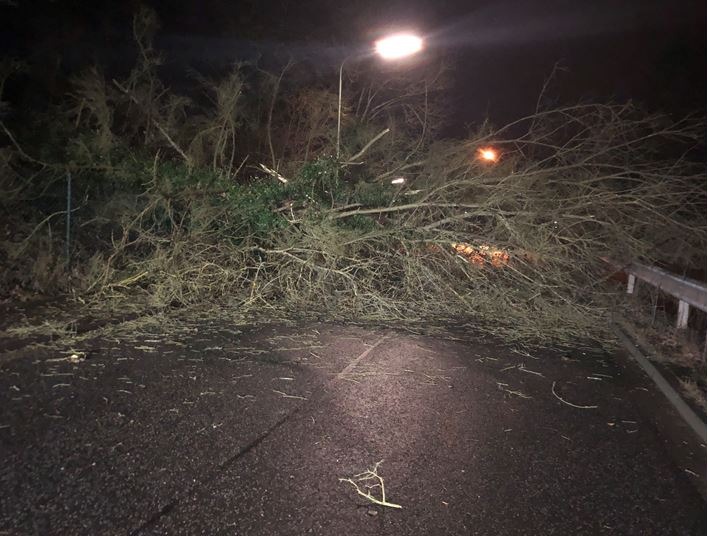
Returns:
<point x="651" y="51"/>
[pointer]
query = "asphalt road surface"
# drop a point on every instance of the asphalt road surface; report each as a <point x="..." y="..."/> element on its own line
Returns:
<point x="205" y="427"/>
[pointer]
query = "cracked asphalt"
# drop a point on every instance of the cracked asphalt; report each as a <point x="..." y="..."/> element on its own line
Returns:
<point x="203" y="426"/>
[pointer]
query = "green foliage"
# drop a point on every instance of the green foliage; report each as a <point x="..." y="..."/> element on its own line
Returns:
<point x="176" y="178"/>
<point x="373" y="194"/>
<point x="319" y="181"/>
<point x="253" y="208"/>
<point x="358" y="222"/>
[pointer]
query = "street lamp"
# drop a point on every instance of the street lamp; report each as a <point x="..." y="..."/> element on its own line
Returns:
<point x="393" y="47"/>
<point x="488" y="154"/>
<point x="398" y="46"/>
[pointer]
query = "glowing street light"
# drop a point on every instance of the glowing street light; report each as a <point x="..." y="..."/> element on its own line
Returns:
<point x="398" y="46"/>
<point x="488" y="154"/>
<point x="393" y="47"/>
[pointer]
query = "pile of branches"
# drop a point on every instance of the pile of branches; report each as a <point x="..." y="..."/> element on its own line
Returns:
<point x="581" y="185"/>
<point x="177" y="216"/>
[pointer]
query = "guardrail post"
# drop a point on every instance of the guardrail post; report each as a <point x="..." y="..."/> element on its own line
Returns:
<point x="682" y="319"/>
<point x="631" y="280"/>
<point x="67" y="244"/>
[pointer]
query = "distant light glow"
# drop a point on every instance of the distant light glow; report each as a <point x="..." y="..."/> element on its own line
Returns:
<point x="488" y="154"/>
<point x="398" y="180"/>
<point x="398" y="46"/>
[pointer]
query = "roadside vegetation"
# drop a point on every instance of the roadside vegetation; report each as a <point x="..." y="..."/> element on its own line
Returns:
<point x="230" y="192"/>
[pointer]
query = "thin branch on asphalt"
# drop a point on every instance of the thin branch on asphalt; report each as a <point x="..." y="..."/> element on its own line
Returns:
<point x="553" y="390"/>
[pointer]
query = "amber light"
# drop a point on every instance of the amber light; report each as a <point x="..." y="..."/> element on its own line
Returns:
<point x="488" y="154"/>
<point x="480" y="255"/>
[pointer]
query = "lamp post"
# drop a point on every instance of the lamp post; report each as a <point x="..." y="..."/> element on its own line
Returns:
<point x="393" y="47"/>
<point x="339" y="104"/>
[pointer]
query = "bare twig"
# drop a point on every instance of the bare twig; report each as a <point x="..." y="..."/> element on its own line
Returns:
<point x="270" y="113"/>
<point x="364" y="479"/>
<point x="553" y="390"/>
<point x="357" y="156"/>
<point x="285" y="395"/>
<point x="156" y="123"/>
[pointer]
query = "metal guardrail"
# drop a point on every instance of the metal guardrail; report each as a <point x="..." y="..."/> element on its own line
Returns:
<point x="689" y="416"/>
<point x="690" y="293"/>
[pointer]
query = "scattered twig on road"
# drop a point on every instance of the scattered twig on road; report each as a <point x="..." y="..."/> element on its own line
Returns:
<point x="144" y="348"/>
<point x="503" y="387"/>
<point x="553" y="390"/>
<point x="299" y="348"/>
<point x="371" y="475"/>
<point x="285" y="395"/>
<point x="523" y="353"/>
<point x="74" y="357"/>
<point x="234" y="378"/>
<point x="522" y="368"/>
<point x="434" y="378"/>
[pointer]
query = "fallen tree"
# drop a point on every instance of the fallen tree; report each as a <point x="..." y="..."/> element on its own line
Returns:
<point x="170" y="211"/>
